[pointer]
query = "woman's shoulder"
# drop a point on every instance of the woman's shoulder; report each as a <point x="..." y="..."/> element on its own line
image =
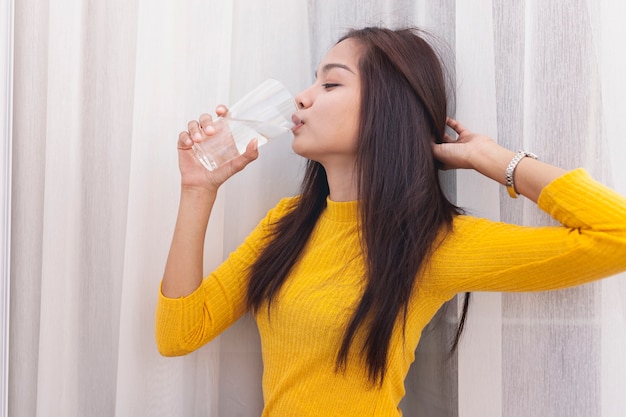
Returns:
<point x="283" y="207"/>
<point x="468" y="221"/>
<point x="286" y="204"/>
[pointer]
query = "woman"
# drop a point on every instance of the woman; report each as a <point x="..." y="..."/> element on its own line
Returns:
<point x="343" y="278"/>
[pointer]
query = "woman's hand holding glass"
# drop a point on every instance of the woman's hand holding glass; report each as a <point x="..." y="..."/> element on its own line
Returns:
<point x="193" y="173"/>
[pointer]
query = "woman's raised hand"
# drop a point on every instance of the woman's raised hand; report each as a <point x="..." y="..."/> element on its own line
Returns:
<point x="479" y="152"/>
<point x="193" y="173"/>
<point x="465" y="151"/>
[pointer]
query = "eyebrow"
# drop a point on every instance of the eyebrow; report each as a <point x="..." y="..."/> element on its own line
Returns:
<point x="332" y="65"/>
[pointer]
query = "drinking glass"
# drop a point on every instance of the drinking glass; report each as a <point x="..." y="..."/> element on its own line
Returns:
<point x="264" y="113"/>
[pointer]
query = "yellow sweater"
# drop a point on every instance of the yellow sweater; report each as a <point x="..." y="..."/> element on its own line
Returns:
<point x="308" y="320"/>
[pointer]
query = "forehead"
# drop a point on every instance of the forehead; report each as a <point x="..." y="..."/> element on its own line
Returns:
<point x="345" y="53"/>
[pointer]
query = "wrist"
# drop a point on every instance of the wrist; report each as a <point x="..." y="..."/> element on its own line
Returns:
<point x="199" y="197"/>
<point x="491" y="160"/>
<point x="198" y="190"/>
<point x="510" y="171"/>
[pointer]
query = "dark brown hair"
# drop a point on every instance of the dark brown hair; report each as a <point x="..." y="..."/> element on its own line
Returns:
<point x="401" y="204"/>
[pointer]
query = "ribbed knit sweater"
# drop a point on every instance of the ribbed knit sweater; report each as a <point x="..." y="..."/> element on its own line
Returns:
<point x="301" y="339"/>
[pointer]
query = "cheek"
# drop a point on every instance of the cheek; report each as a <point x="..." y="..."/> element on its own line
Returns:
<point x="334" y="131"/>
<point x="350" y="130"/>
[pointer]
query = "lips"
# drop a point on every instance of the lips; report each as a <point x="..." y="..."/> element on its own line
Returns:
<point x="297" y="122"/>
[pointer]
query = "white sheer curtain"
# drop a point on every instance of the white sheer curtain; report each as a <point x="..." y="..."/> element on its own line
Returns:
<point x="6" y="119"/>
<point x="102" y="90"/>
<point x="557" y="87"/>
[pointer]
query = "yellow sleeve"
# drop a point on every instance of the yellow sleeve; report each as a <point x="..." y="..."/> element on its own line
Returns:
<point x="481" y="255"/>
<point x="187" y="323"/>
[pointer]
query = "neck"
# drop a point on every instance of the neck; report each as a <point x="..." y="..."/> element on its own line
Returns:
<point x="342" y="182"/>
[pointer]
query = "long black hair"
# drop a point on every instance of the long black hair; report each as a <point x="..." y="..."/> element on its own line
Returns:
<point x="402" y="207"/>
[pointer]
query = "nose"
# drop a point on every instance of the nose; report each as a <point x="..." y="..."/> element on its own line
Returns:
<point x="303" y="99"/>
<point x="300" y="102"/>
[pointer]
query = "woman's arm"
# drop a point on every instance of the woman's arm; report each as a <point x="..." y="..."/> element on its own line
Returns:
<point x="475" y="151"/>
<point x="183" y="322"/>
<point x="184" y="270"/>
<point x="481" y="255"/>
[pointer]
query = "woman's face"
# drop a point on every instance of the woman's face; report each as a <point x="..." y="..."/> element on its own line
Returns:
<point x="327" y="121"/>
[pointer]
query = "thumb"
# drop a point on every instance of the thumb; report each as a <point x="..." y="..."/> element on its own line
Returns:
<point x="251" y="153"/>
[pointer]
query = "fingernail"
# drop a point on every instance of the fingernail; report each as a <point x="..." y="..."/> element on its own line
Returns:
<point x="209" y="130"/>
<point x="197" y="136"/>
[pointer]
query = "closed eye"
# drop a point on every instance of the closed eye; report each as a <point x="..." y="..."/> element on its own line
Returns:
<point x="330" y="85"/>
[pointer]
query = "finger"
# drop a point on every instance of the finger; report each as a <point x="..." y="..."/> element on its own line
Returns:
<point x="221" y="110"/>
<point x="251" y="153"/>
<point x="253" y="148"/>
<point x="206" y="123"/>
<point x="205" y="119"/>
<point x="455" y="125"/>
<point x="448" y="139"/>
<point x="194" y="130"/>
<point x="184" y="140"/>
<point x="439" y="155"/>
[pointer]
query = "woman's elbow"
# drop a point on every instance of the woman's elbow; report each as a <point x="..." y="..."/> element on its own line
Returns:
<point x="169" y="346"/>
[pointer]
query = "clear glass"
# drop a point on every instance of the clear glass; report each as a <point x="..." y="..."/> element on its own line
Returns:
<point x="264" y="113"/>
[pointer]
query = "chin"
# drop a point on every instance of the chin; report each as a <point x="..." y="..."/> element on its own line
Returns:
<point x="299" y="148"/>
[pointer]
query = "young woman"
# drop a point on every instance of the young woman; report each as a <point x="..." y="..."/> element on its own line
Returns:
<point x="343" y="278"/>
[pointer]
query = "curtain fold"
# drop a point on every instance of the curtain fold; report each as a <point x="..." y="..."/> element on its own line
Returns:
<point x="563" y="326"/>
<point x="102" y="90"/>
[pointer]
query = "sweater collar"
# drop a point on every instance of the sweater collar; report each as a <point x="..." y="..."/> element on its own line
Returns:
<point x="344" y="211"/>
